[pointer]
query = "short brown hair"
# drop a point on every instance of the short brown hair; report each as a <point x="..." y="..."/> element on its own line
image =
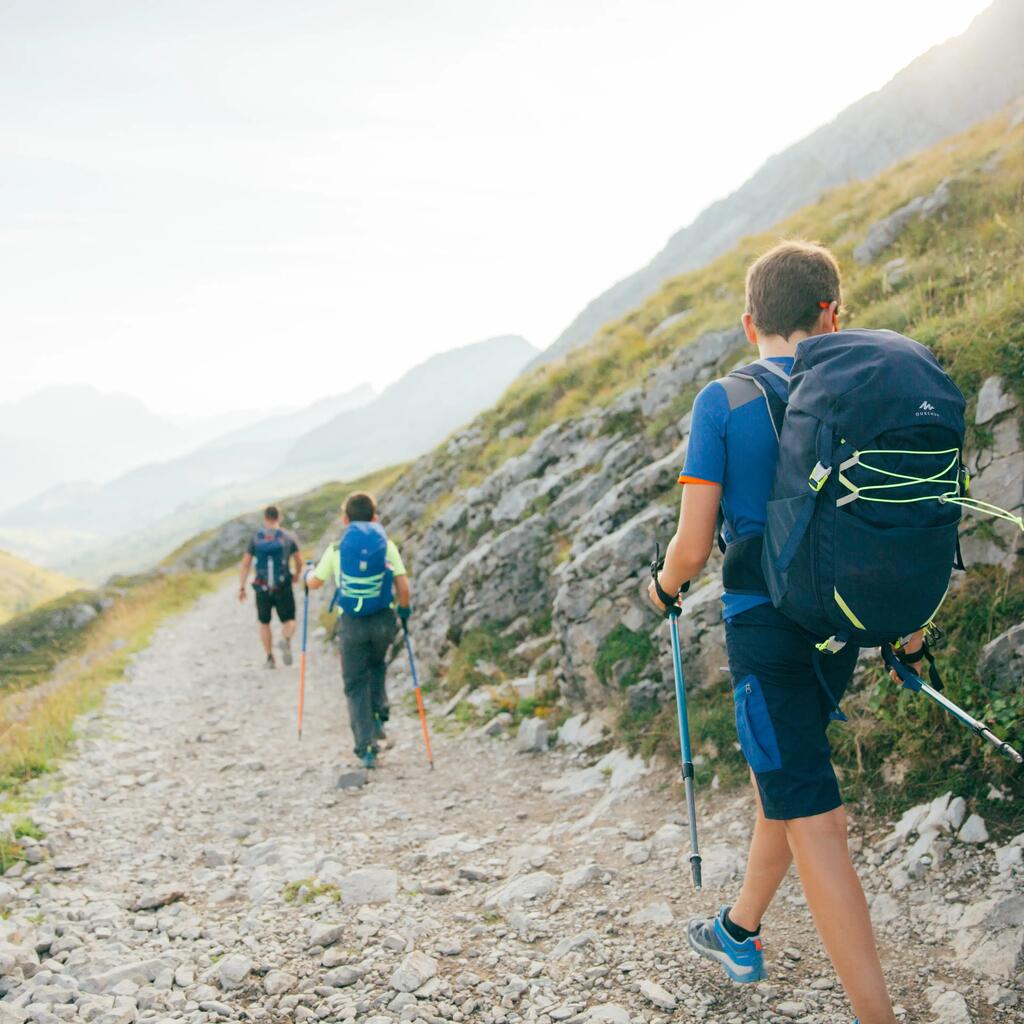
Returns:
<point x="271" y="512"/>
<point x="360" y="507"/>
<point x="787" y="285"/>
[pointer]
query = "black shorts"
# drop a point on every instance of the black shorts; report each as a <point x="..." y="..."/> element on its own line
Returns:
<point x="782" y="710"/>
<point x="283" y="599"/>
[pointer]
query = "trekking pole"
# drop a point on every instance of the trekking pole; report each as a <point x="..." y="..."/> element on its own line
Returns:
<point x="672" y="612"/>
<point x="912" y="681"/>
<point x="419" y="695"/>
<point x="302" y="656"/>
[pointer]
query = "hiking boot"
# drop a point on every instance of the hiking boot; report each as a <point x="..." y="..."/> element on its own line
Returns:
<point x="285" y="646"/>
<point x="743" y="961"/>
<point x="270" y="663"/>
<point x="369" y="759"/>
<point x="379" y="734"/>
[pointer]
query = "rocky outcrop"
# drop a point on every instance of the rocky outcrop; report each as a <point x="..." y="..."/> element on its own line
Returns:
<point x="1001" y="664"/>
<point x="564" y="529"/>
<point x="997" y="477"/>
<point x="883" y="233"/>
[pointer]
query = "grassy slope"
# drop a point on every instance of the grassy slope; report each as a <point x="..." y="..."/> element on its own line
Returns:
<point x="24" y="586"/>
<point x="963" y="294"/>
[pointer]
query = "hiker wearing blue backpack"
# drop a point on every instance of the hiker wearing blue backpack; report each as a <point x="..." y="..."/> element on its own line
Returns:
<point x="371" y="588"/>
<point x="793" y="509"/>
<point x="270" y="555"/>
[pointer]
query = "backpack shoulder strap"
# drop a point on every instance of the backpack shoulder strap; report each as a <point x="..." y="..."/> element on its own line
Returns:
<point x="773" y="382"/>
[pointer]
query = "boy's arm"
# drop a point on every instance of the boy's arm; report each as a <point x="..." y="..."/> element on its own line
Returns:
<point x="690" y="547"/>
<point x="324" y="570"/>
<point x="403" y="592"/>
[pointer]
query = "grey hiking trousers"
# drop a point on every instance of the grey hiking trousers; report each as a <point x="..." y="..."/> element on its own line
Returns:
<point x="363" y="642"/>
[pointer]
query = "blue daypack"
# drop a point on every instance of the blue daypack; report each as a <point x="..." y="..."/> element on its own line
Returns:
<point x="862" y="526"/>
<point x="364" y="581"/>
<point x="271" y="559"/>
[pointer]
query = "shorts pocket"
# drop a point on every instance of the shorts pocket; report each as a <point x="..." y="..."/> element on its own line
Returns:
<point x="754" y="726"/>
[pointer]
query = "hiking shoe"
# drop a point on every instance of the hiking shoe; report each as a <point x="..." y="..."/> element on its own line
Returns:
<point x="369" y="759"/>
<point x="743" y="961"/>
<point x="270" y="663"/>
<point x="285" y="647"/>
<point x="379" y="734"/>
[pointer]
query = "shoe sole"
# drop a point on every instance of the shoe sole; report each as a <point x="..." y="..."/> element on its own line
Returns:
<point x="756" y="973"/>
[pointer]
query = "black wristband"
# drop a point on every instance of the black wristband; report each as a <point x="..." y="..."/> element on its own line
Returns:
<point x="663" y="596"/>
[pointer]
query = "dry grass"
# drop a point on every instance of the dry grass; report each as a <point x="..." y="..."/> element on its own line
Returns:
<point x="37" y="725"/>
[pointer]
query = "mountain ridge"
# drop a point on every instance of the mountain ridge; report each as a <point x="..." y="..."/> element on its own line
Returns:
<point x="941" y="92"/>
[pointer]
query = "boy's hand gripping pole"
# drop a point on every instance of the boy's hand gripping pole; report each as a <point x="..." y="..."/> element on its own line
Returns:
<point x="419" y="695"/>
<point x="302" y="656"/>
<point x="912" y="681"/>
<point x="672" y="612"/>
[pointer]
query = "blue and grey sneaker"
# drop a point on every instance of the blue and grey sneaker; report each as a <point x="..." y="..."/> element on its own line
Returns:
<point x="369" y="758"/>
<point x="743" y="961"/>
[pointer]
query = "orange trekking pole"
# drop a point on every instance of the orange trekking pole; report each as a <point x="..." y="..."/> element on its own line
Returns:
<point x="419" y="695"/>
<point x="302" y="656"/>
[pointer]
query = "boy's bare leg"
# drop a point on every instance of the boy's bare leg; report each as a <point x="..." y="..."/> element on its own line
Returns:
<point x="767" y="864"/>
<point x="288" y="629"/>
<point x="840" y="911"/>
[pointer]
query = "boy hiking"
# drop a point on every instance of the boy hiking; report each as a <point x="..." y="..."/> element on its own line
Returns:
<point x="371" y="585"/>
<point x="785" y="690"/>
<point x="272" y="551"/>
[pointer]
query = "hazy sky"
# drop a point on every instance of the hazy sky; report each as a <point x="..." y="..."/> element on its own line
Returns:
<point x="215" y="204"/>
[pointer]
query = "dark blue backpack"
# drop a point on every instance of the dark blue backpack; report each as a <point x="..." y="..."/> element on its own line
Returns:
<point x="365" y="581"/>
<point x="270" y="554"/>
<point x="861" y="533"/>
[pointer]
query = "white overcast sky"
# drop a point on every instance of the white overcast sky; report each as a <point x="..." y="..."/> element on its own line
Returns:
<point x="216" y="204"/>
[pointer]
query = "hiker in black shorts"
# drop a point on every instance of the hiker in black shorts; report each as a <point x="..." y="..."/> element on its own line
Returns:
<point x="271" y="550"/>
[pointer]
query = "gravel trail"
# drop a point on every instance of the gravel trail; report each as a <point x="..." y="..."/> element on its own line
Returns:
<point x="199" y="863"/>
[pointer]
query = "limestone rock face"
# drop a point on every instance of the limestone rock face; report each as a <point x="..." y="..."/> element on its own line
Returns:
<point x="565" y="528"/>
<point x="1001" y="664"/>
<point x="997" y="477"/>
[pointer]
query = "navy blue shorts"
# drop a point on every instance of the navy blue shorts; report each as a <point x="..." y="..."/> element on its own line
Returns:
<point x="782" y="711"/>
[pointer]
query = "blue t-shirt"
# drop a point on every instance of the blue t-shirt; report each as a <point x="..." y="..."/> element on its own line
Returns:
<point x="732" y="443"/>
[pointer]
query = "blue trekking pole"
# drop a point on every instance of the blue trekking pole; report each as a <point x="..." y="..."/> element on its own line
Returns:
<point x="672" y="612"/>
<point x="913" y="682"/>
<point x="302" y="656"/>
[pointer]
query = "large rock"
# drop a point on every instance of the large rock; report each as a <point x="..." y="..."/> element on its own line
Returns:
<point x="524" y="889"/>
<point x="1001" y="664"/>
<point x="721" y="864"/>
<point x="277" y="982"/>
<point x="233" y="970"/>
<point x="997" y="477"/>
<point x="369" y="885"/>
<point x="653" y="992"/>
<point x="951" y="1008"/>
<point x="581" y="731"/>
<point x="415" y="970"/>
<point x="607" y="1013"/>
<point x="532" y="736"/>
<point x="883" y="233"/>
<point x="993" y="401"/>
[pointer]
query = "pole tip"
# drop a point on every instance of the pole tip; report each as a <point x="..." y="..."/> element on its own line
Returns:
<point x="695" y="868"/>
